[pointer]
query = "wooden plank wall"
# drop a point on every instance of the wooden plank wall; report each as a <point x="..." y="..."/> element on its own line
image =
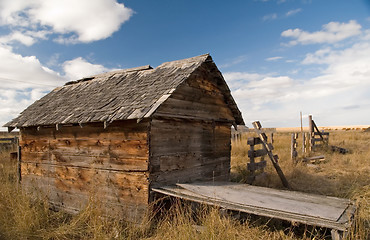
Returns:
<point x="198" y="98"/>
<point x="72" y="164"/>
<point x="187" y="151"/>
<point x="190" y="133"/>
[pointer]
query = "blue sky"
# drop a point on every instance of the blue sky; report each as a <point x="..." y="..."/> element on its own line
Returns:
<point x="279" y="57"/>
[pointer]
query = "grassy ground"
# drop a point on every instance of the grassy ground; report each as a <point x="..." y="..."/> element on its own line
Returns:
<point x="24" y="217"/>
<point x="345" y="176"/>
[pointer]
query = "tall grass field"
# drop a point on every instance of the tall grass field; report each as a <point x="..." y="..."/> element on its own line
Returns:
<point x="24" y="216"/>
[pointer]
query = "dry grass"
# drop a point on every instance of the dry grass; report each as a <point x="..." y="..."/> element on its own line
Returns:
<point x="345" y="176"/>
<point x="26" y="217"/>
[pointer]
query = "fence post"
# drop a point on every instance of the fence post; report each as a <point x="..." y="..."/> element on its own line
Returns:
<point x="293" y="147"/>
<point x="252" y="162"/>
<point x="19" y="159"/>
<point x="311" y="132"/>
<point x="304" y="143"/>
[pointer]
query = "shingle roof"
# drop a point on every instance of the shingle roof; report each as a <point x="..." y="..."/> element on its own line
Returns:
<point x="125" y="94"/>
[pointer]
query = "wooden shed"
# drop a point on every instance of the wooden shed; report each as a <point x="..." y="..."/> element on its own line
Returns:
<point x="119" y="134"/>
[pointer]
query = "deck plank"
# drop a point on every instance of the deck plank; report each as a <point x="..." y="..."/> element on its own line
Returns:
<point x="287" y="201"/>
<point x="293" y="206"/>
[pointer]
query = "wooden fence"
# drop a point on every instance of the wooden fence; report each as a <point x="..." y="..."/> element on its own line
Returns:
<point x="239" y="135"/>
<point x="8" y="144"/>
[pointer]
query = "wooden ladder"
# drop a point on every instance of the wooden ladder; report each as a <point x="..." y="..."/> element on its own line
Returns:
<point x="253" y="153"/>
<point x="268" y="147"/>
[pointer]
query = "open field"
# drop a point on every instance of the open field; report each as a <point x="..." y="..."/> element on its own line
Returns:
<point x="347" y="176"/>
<point x="327" y="128"/>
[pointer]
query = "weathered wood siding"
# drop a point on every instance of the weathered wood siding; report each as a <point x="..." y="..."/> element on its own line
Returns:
<point x="190" y="134"/>
<point x="199" y="98"/>
<point x="188" y="151"/>
<point x="74" y="163"/>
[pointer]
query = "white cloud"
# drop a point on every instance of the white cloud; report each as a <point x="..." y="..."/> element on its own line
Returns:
<point x="257" y="88"/>
<point x="41" y="34"/>
<point x="331" y="33"/>
<point x="79" y="68"/>
<point x="268" y="17"/>
<point x="19" y="37"/>
<point x="346" y="68"/>
<point x="23" y="80"/>
<point x="341" y="88"/>
<point x="234" y="76"/>
<point x="86" y="20"/>
<point x="13" y="101"/>
<point x="237" y="80"/>
<point x="293" y="12"/>
<point x="27" y="38"/>
<point x="16" y="71"/>
<point x="272" y="82"/>
<point x="274" y="58"/>
<point x="317" y="57"/>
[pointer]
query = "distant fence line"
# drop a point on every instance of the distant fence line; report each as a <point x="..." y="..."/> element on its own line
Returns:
<point x="238" y="135"/>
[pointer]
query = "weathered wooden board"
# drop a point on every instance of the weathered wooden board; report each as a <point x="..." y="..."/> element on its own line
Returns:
<point x="204" y="134"/>
<point x="121" y="146"/>
<point x="72" y="164"/>
<point x="187" y="130"/>
<point x="189" y="93"/>
<point x="322" y="133"/>
<point x="186" y="108"/>
<point x="128" y="128"/>
<point x="202" y="172"/>
<point x="117" y="194"/>
<point x="71" y="187"/>
<point x="257" y="153"/>
<point x="119" y="154"/>
<point x="198" y="97"/>
<point x="203" y="81"/>
<point x="183" y="151"/>
<point x="186" y="160"/>
<point x="316" y="140"/>
<point x="288" y="205"/>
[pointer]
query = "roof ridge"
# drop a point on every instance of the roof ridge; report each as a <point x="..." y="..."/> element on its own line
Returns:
<point x="111" y="73"/>
<point x="196" y="59"/>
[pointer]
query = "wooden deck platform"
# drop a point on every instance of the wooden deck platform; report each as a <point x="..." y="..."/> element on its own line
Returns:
<point x="316" y="210"/>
